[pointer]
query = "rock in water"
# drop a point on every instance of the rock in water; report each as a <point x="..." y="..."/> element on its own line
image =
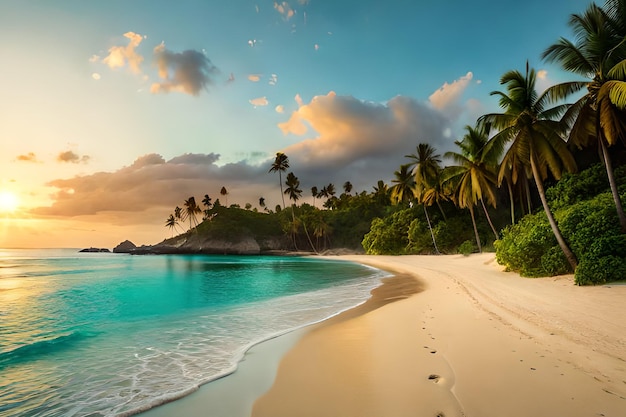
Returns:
<point x="125" y="247"/>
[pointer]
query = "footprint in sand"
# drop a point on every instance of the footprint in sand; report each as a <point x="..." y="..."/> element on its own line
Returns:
<point x="434" y="378"/>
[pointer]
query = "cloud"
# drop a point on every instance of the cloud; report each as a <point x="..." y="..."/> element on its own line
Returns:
<point x="120" y="56"/>
<point x="71" y="157"/>
<point x="95" y="76"/>
<point x="284" y="9"/>
<point x="280" y="108"/>
<point x="449" y="94"/>
<point x="187" y="72"/>
<point x="29" y="157"/>
<point x="273" y="79"/>
<point x="259" y="101"/>
<point x="153" y="184"/>
<point x="356" y="140"/>
<point x="255" y="78"/>
<point x="94" y="58"/>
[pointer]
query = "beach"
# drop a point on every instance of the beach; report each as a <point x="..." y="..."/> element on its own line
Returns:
<point x="467" y="339"/>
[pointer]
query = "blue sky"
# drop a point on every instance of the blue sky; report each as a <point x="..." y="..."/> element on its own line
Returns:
<point x="114" y="112"/>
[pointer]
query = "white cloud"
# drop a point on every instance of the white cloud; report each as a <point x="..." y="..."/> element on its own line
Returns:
<point x="280" y="108"/>
<point x="95" y="76"/>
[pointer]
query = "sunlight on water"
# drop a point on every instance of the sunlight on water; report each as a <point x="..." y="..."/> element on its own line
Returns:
<point x="104" y="334"/>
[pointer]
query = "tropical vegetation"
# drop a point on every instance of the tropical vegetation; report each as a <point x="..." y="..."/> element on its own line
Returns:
<point x="542" y="182"/>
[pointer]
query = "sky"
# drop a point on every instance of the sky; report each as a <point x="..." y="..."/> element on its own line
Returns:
<point x="113" y="113"/>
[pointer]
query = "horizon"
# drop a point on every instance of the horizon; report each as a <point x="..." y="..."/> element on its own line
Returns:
<point x="115" y="113"/>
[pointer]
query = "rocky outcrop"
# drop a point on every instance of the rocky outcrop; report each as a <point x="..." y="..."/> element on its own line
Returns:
<point x="92" y="250"/>
<point x="192" y="243"/>
<point x="125" y="247"/>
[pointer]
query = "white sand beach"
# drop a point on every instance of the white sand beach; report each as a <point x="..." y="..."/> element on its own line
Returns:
<point x="476" y="341"/>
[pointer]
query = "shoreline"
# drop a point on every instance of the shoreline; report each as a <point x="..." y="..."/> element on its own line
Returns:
<point x="255" y="370"/>
<point x="476" y="341"/>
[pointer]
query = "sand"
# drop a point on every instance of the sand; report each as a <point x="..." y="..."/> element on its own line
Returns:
<point x="476" y="342"/>
<point x="447" y="336"/>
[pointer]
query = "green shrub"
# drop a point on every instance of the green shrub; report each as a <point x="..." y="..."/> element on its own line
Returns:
<point x="584" y="222"/>
<point x="389" y="236"/>
<point x="605" y="261"/>
<point x="554" y="262"/>
<point x="573" y="188"/>
<point x="450" y="233"/>
<point x="420" y="240"/>
<point x="524" y="244"/>
<point x="466" y="248"/>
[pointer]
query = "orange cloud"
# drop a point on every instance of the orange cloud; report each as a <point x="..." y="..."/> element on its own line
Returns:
<point x="120" y="56"/>
<point x="259" y="101"/>
<point x="449" y="94"/>
<point x="29" y="157"/>
<point x="71" y="157"/>
<point x="347" y="129"/>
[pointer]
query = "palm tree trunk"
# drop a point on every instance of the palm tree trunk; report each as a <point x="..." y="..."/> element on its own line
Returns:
<point x="432" y="235"/>
<point x="306" y="232"/>
<point x="495" y="232"/>
<point x="528" y="199"/>
<point x="569" y="255"/>
<point x="609" y="172"/>
<point x="280" y="181"/>
<point x="508" y="183"/>
<point x="480" y="248"/>
<point x="441" y="210"/>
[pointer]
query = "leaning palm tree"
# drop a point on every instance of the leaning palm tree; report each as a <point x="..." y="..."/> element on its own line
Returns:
<point x="426" y="165"/>
<point x="404" y="183"/>
<point x="191" y="210"/>
<point x="529" y="125"/>
<point x="596" y="54"/>
<point x="280" y="165"/>
<point x="474" y="175"/>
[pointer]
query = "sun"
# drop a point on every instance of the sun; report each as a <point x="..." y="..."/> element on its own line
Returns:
<point x="8" y="202"/>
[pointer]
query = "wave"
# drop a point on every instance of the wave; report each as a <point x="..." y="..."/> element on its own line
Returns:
<point x="43" y="347"/>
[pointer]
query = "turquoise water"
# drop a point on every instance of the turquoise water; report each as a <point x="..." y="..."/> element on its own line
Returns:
<point x="108" y="334"/>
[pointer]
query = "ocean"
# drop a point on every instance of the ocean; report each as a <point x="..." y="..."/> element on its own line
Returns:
<point x="102" y="334"/>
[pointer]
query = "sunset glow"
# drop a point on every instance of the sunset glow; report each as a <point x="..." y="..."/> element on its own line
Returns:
<point x="8" y="202"/>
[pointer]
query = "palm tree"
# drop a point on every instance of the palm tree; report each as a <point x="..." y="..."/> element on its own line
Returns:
<point x="426" y="170"/>
<point x="294" y="192"/>
<point x="262" y="202"/>
<point x="280" y="165"/>
<point x="224" y="192"/>
<point x="314" y="193"/>
<point x="347" y="187"/>
<point x="171" y="222"/>
<point x="178" y="214"/>
<point x="191" y="210"/>
<point x="207" y="203"/>
<point x="474" y="175"/>
<point x="404" y="181"/>
<point x="600" y="46"/>
<point x="534" y="136"/>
